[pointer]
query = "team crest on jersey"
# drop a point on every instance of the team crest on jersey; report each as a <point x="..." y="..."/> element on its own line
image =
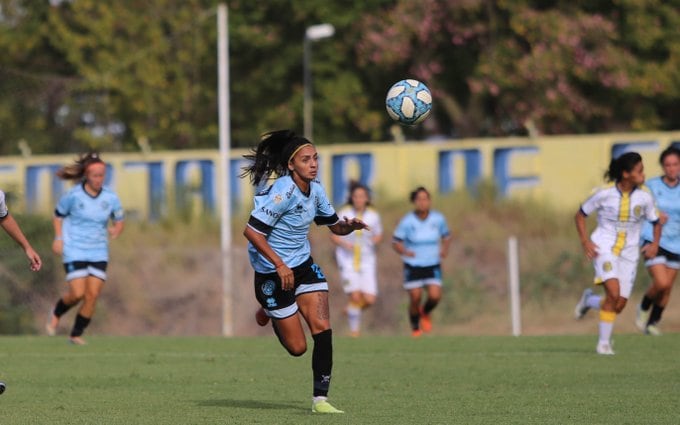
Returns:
<point x="278" y="199"/>
<point x="637" y="211"/>
<point x="268" y="288"/>
<point x="607" y="266"/>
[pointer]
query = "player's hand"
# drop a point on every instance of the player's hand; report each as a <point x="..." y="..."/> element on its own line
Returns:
<point x="115" y="231"/>
<point x="650" y="250"/>
<point x="34" y="259"/>
<point x="287" y="277"/>
<point x="590" y="249"/>
<point x="409" y="253"/>
<point x="355" y="223"/>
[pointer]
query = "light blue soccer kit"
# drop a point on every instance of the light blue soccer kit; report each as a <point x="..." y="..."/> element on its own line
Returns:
<point x="423" y="238"/>
<point x="283" y="214"/>
<point x="84" y="230"/>
<point x="667" y="200"/>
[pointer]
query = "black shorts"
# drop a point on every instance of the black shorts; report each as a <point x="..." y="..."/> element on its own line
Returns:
<point x="417" y="277"/>
<point x="78" y="269"/>
<point x="280" y="304"/>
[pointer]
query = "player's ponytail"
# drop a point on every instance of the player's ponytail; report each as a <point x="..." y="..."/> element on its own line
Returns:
<point x="617" y="166"/>
<point x="76" y="171"/>
<point x="272" y="154"/>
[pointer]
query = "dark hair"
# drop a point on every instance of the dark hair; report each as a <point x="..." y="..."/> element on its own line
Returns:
<point x="417" y="191"/>
<point x="617" y="166"/>
<point x="354" y="185"/>
<point x="272" y="154"/>
<point x="671" y="150"/>
<point x="76" y="171"/>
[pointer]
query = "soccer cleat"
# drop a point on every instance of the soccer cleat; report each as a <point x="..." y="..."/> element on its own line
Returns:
<point x="323" y="406"/>
<point x="581" y="308"/>
<point x="416" y="333"/>
<point x="51" y="325"/>
<point x="2" y="387"/>
<point x="604" y="348"/>
<point x="425" y="321"/>
<point x="653" y="330"/>
<point x="76" y="340"/>
<point x="261" y="317"/>
<point x="641" y="319"/>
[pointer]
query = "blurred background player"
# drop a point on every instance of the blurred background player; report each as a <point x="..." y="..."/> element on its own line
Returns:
<point x="664" y="267"/>
<point x="614" y="246"/>
<point x="288" y="284"/>
<point x="9" y="225"/>
<point x="81" y="237"/>
<point x="422" y="238"/>
<point x="356" y="255"/>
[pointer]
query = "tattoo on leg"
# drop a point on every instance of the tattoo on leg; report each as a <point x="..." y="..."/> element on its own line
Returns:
<point x="322" y="309"/>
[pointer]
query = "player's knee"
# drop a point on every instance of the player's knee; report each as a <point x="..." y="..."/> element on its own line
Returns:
<point x="296" y="349"/>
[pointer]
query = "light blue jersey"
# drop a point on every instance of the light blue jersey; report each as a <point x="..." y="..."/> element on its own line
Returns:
<point x="3" y="206"/>
<point x="86" y="218"/>
<point x="283" y="214"/>
<point x="423" y="237"/>
<point x="667" y="200"/>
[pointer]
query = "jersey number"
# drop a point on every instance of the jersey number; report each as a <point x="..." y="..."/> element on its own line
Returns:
<point x="318" y="271"/>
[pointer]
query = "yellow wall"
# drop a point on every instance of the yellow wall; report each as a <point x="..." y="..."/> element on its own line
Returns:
<point x="560" y="169"/>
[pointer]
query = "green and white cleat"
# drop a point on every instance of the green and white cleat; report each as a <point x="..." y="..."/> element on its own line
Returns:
<point x="323" y="406"/>
<point x="653" y="330"/>
<point x="641" y="319"/>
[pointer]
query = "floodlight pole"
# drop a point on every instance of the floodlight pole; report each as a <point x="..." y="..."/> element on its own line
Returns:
<point x="313" y="33"/>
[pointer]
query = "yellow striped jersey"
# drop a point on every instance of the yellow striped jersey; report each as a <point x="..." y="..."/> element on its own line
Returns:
<point x="620" y="217"/>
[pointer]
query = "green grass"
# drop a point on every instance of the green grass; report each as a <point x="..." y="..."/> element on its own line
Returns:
<point x="379" y="380"/>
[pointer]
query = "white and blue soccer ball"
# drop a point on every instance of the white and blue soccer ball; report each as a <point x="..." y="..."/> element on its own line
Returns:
<point x="409" y="102"/>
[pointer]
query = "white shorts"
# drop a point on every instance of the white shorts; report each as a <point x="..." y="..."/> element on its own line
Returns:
<point x="609" y="266"/>
<point x="363" y="280"/>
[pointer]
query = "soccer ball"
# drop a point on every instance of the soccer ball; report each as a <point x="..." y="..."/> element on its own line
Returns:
<point x="409" y="102"/>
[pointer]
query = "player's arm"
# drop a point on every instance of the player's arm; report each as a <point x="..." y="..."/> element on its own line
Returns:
<point x="116" y="228"/>
<point x="445" y="244"/>
<point x="58" y="242"/>
<point x="589" y="247"/>
<point x="14" y="231"/>
<point x="347" y="226"/>
<point x="259" y="241"/>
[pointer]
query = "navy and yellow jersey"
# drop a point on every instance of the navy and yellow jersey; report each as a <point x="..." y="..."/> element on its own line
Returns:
<point x="283" y="214"/>
<point x="423" y="237"/>
<point x="667" y="200"/>
<point x="86" y="219"/>
<point x="620" y="217"/>
<point x="3" y="206"/>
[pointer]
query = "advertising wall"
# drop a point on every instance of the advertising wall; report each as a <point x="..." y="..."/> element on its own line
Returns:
<point x="560" y="170"/>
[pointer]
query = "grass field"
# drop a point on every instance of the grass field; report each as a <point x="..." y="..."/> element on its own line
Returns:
<point x="379" y="380"/>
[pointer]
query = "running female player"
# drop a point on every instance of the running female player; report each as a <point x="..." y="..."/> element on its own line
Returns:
<point x="614" y="246"/>
<point x="81" y="236"/>
<point x="288" y="284"/>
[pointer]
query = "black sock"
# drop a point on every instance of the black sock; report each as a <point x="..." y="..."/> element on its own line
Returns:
<point x="322" y="362"/>
<point x="646" y="303"/>
<point x="80" y="325"/>
<point x="429" y="306"/>
<point x="60" y="308"/>
<point x="655" y="316"/>
<point x="415" y="321"/>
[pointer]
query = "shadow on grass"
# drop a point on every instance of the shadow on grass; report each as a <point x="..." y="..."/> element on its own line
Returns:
<point x="249" y="404"/>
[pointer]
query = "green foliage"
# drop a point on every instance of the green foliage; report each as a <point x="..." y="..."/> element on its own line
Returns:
<point x="120" y="75"/>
